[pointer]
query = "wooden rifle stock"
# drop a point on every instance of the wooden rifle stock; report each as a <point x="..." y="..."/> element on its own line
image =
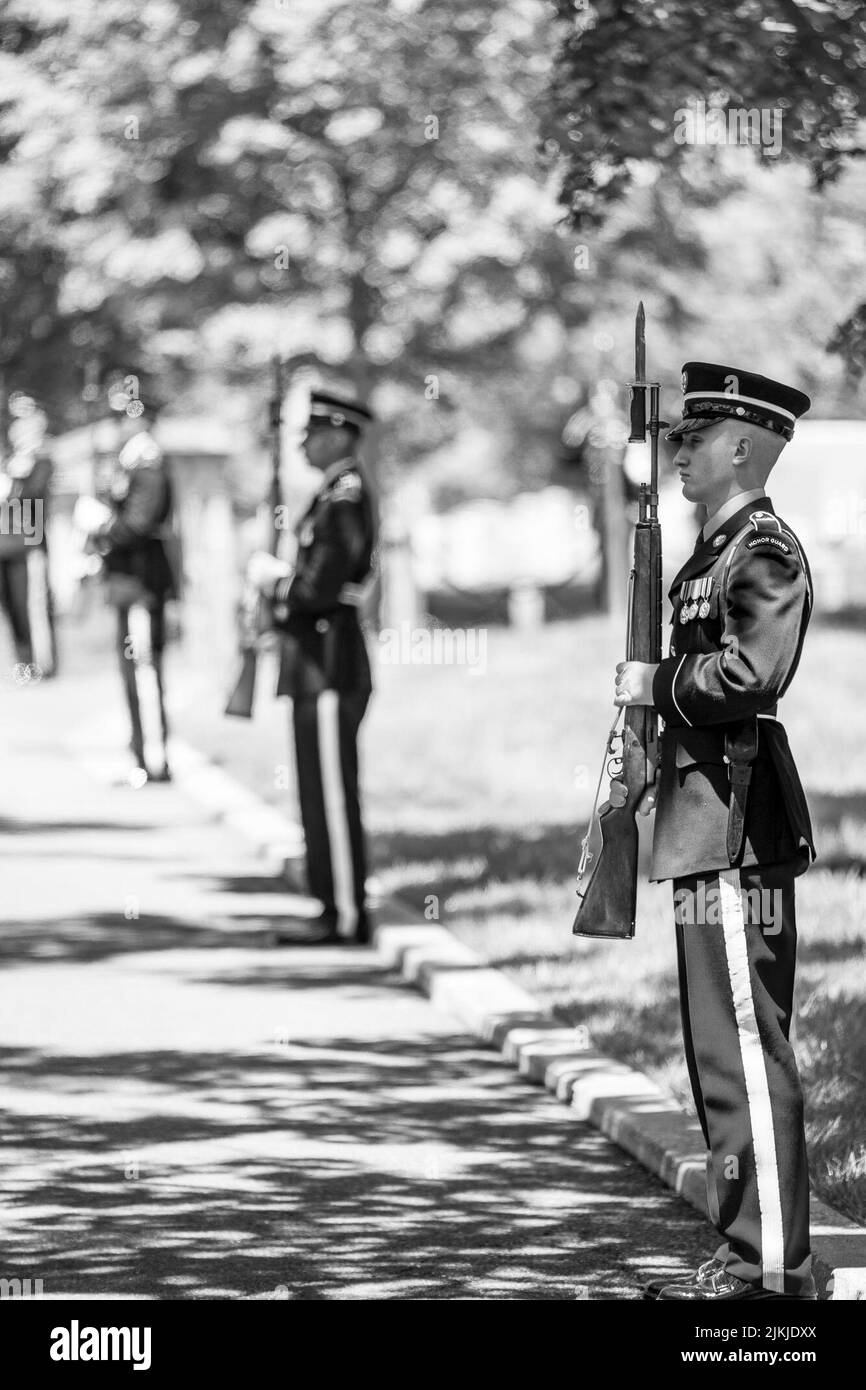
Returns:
<point x="607" y="873"/>
<point x="240" y="701"/>
<point x="256" y="616"/>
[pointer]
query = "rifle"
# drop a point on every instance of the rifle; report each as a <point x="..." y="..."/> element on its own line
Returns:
<point x="256" y="610"/>
<point x="607" y="871"/>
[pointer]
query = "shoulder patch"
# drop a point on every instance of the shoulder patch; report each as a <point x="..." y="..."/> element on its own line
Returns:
<point x="774" y="543"/>
<point x="346" y="488"/>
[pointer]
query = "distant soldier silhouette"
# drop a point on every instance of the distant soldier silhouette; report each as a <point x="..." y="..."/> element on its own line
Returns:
<point x="25" y="590"/>
<point x="133" y="538"/>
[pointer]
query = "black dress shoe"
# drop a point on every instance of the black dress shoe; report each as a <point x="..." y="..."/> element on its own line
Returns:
<point x="721" y="1287"/>
<point x="322" y="931"/>
<point x="655" y="1286"/>
<point x="308" y="931"/>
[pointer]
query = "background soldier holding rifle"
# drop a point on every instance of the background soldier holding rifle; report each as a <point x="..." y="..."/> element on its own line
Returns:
<point x="324" y="667"/>
<point x="131" y="530"/>
<point x="732" y="829"/>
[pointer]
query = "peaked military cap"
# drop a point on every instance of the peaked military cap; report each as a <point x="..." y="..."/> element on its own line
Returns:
<point x="712" y="393"/>
<point x="328" y="409"/>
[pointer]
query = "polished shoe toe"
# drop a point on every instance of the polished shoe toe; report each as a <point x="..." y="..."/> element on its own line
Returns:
<point x="719" y="1286"/>
<point x="653" y="1289"/>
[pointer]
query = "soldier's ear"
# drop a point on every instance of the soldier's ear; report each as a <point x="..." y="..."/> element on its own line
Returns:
<point x="743" y="450"/>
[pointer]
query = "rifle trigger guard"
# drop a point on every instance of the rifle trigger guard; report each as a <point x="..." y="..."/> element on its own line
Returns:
<point x="615" y="760"/>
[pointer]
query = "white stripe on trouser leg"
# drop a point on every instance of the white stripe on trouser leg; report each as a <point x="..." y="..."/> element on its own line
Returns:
<point x="37" y="607"/>
<point x="757" y="1085"/>
<point x="147" y="685"/>
<point x="328" y="724"/>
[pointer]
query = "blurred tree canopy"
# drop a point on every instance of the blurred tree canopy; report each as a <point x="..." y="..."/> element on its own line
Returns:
<point x="223" y="179"/>
<point x="362" y="186"/>
<point x="629" y="75"/>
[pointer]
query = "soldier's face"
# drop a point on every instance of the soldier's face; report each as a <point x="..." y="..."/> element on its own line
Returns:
<point x="704" y="461"/>
<point x="323" y="445"/>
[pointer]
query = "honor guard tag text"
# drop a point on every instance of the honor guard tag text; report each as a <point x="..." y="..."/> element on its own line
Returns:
<point x="775" y="542"/>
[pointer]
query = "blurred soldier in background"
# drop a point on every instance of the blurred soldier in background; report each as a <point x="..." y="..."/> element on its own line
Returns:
<point x="324" y="666"/>
<point x="130" y="530"/>
<point x="25" y="591"/>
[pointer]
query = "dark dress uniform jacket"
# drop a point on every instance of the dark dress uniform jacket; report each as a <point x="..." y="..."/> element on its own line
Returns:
<point x="724" y="671"/>
<point x="323" y="645"/>
<point x="135" y="542"/>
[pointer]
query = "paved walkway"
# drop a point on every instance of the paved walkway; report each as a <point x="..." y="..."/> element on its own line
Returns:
<point x="191" y="1113"/>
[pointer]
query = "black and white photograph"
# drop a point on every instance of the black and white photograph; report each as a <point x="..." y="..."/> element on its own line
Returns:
<point x="432" y="670"/>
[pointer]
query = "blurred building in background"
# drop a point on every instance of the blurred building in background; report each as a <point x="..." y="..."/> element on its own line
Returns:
<point x="820" y="489"/>
<point x="538" y="556"/>
<point x="523" y="560"/>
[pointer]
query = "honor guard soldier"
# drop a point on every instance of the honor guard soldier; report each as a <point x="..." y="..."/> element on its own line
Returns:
<point x="732" y="829"/>
<point x="25" y="590"/>
<point x="324" y="667"/>
<point x="133" y="539"/>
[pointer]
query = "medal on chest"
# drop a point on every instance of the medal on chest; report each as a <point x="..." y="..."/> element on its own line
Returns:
<point x="695" y="598"/>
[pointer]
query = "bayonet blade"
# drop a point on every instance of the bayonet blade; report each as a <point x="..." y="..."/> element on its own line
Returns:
<point x="640" y="344"/>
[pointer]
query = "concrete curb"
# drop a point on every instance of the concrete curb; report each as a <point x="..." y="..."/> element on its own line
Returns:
<point x="621" y="1102"/>
<point x="231" y="804"/>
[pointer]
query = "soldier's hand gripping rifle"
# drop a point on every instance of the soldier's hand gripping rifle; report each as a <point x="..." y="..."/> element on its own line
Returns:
<point x="607" y="872"/>
<point x="256" y="615"/>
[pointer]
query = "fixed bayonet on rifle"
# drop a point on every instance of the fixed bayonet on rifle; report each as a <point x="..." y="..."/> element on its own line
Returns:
<point x="607" y="872"/>
<point x="256" y="616"/>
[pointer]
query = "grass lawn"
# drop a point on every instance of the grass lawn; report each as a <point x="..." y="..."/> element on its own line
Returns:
<point x="477" y="785"/>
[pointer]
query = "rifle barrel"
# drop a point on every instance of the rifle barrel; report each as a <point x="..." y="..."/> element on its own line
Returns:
<point x="276" y="451"/>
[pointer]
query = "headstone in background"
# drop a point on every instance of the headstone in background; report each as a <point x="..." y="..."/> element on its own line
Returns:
<point x="537" y="538"/>
<point x="819" y="487"/>
<point x="400" y="599"/>
<point x="526" y="607"/>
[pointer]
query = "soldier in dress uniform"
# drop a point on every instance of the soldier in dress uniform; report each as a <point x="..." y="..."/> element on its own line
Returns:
<point x="732" y="829"/>
<point x="25" y="589"/>
<point x="324" y="667"/>
<point x="133" y="540"/>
